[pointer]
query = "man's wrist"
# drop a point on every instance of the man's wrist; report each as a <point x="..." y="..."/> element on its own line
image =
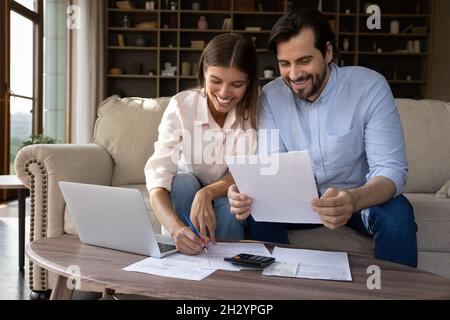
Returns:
<point x="354" y="195"/>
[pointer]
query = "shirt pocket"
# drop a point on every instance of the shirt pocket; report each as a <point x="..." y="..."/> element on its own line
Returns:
<point x="343" y="150"/>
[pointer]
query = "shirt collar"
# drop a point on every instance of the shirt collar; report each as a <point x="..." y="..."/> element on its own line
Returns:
<point x="203" y="116"/>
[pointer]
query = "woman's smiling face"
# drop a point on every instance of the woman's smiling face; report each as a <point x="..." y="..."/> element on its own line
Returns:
<point x="225" y="87"/>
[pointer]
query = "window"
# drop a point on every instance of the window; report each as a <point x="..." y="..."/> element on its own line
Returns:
<point x="20" y="76"/>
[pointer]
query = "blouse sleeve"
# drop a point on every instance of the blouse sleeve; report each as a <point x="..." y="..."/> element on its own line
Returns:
<point x="162" y="166"/>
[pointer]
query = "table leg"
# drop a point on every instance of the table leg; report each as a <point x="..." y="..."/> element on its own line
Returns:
<point x="21" y="200"/>
<point x="61" y="291"/>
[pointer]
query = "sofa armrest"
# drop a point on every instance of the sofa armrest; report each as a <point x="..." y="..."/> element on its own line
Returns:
<point x="40" y="167"/>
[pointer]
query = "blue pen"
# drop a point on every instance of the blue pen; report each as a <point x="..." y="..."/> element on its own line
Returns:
<point x="193" y="228"/>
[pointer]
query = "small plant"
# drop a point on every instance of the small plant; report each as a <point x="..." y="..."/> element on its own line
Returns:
<point x="38" y="139"/>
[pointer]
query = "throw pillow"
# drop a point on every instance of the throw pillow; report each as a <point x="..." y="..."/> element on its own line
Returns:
<point x="444" y="192"/>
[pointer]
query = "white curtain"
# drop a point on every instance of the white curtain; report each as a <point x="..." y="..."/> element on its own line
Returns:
<point x="86" y="68"/>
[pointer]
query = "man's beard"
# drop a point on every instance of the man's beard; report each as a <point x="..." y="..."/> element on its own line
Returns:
<point x="316" y="84"/>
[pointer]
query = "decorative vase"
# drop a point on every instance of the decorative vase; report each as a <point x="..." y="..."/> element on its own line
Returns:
<point x="395" y="27"/>
<point x="140" y="41"/>
<point x="202" y="23"/>
<point x="346" y="44"/>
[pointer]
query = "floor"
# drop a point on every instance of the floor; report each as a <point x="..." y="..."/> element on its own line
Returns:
<point x="13" y="283"/>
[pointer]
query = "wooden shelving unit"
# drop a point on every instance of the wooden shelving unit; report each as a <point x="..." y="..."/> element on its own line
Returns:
<point x="170" y="41"/>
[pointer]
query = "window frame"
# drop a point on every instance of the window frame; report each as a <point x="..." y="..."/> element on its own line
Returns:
<point x="38" y="73"/>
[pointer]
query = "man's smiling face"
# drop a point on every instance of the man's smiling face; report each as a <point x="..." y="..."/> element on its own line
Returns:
<point x="302" y="66"/>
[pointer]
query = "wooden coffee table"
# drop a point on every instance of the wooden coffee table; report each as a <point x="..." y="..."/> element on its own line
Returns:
<point x="102" y="269"/>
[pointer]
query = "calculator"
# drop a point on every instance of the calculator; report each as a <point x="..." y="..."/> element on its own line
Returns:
<point x="250" y="260"/>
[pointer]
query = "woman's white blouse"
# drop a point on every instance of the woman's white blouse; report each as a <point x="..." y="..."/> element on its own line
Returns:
<point x="191" y="140"/>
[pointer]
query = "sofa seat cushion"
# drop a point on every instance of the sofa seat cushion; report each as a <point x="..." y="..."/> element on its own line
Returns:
<point x="341" y="239"/>
<point x="433" y="220"/>
<point x="69" y="225"/>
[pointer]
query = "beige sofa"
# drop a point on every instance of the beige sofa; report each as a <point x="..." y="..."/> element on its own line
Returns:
<point x="123" y="140"/>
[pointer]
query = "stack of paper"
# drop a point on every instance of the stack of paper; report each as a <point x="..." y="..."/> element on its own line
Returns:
<point x="311" y="264"/>
<point x="198" y="267"/>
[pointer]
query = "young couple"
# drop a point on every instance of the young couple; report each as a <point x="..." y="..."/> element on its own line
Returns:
<point x="345" y="117"/>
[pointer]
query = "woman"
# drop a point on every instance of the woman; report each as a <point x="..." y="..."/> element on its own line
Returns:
<point x="187" y="172"/>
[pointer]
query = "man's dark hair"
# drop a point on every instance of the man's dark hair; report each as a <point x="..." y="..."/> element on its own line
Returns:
<point x="292" y="23"/>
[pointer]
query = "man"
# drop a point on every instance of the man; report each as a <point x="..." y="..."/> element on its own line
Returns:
<point x="347" y="119"/>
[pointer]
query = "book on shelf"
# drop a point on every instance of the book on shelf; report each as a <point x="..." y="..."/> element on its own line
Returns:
<point x="252" y="28"/>
<point x="198" y="44"/>
<point x="121" y="40"/>
<point x="226" y="25"/>
<point x="125" y="5"/>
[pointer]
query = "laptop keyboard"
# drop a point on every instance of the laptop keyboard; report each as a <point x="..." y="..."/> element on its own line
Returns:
<point x="163" y="247"/>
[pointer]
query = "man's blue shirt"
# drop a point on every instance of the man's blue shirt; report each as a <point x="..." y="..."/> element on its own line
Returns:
<point x="352" y="130"/>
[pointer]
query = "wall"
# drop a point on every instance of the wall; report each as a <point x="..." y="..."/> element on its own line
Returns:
<point x="440" y="52"/>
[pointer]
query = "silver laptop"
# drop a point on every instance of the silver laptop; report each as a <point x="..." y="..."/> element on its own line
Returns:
<point x="114" y="218"/>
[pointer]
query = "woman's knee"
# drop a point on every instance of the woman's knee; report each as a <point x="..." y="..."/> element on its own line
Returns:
<point x="185" y="181"/>
<point x="184" y="188"/>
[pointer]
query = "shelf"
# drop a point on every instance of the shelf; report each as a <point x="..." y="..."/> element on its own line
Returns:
<point x="132" y="10"/>
<point x="407" y="82"/>
<point x="392" y="53"/>
<point x="183" y="22"/>
<point x="397" y="15"/>
<point x="131" y="29"/>
<point x="131" y="76"/>
<point x="133" y="48"/>
<point x="203" y="31"/>
<point x="384" y="34"/>
<point x="205" y="12"/>
<point x="256" y="13"/>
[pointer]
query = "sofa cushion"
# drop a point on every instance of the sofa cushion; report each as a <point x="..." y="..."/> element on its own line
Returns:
<point x="69" y="225"/>
<point x="128" y="129"/>
<point x="433" y="221"/>
<point x="432" y="217"/>
<point x="427" y="131"/>
<point x="444" y="192"/>
<point x="341" y="239"/>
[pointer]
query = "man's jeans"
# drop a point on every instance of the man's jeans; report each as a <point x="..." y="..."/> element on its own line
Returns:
<point x="184" y="188"/>
<point x="391" y="225"/>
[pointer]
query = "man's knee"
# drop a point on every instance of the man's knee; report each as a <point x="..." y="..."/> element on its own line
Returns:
<point x="394" y="214"/>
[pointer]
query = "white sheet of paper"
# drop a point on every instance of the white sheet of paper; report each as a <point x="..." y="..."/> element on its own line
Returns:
<point x="216" y="253"/>
<point x="200" y="266"/>
<point x="281" y="185"/>
<point x="315" y="264"/>
<point x="172" y="269"/>
<point x="281" y="269"/>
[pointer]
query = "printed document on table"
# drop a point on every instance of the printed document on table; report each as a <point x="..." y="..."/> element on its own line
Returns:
<point x="281" y="185"/>
<point x="315" y="264"/>
<point x="200" y="266"/>
<point x="216" y="253"/>
<point x="170" y="268"/>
